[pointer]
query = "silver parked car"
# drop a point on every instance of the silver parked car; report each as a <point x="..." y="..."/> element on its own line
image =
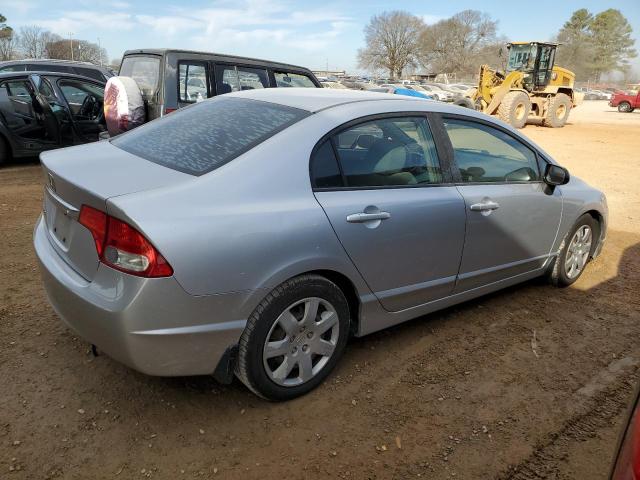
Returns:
<point x="253" y="233"/>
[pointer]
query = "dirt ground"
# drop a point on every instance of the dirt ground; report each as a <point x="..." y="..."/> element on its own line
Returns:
<point x="531" y="382"/>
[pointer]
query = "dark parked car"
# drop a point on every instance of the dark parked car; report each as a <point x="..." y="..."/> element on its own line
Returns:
<point x="85" y="69"/>
<point x="43" y="111"/>
<point x="171" y="79"/>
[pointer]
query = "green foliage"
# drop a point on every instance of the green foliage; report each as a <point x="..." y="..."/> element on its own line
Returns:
<point x="594" y="45"/>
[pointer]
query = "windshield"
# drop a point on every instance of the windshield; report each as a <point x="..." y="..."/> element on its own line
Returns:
<point x="205" y="136"/>
<point x="144" y="70"/>
<point x="521" y="57"/>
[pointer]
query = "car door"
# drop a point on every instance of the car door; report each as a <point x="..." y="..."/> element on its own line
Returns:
<point x="27" y="121"/>
<point x="85" y="101"/>
<point x="512" y="215"/>
<point x="390" y="201"/>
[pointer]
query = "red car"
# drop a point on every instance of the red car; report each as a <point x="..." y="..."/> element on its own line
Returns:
<point x="627" y="463"/>
<point x="625" y="101"/>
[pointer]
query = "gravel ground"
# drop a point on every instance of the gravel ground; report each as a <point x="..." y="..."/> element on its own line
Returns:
<point x="530" y="382"/>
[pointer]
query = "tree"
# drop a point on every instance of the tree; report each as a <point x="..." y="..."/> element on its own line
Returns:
<point x="391" y="42"/>
<point x="576" y="50"/>
<point x="460" y="44"/>
<point x="7" y="40"/>
<point x="83" y="51"/>
<point x="33" y="40"/>
<point x="612" y="42"/>
<point x="595" y="45"/>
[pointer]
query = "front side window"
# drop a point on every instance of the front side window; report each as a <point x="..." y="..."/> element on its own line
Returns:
<point x="285" y="79"/>
<point x="486" y="154"/>
<point x="205" y="136"/>
<point x="85" y="100"/>
<point x="192" y="82"/>
<point x="387" y="152"/>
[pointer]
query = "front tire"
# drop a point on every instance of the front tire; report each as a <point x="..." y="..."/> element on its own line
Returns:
<point x="294" y="338"/>
<point x="558" y="111"/>
<point x="625" y="107"/>
<point x="576" y="251"/>
<point x="514" y="108"/>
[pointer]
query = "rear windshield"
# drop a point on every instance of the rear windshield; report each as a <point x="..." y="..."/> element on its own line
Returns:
<point x="144" y="70"/>
<point x="202" y="137"/>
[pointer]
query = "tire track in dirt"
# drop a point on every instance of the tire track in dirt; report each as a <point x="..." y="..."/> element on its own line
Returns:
<point x="549" y="455"/>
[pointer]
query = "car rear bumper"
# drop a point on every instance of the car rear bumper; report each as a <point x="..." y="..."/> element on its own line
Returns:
<point x="150" y="325"/>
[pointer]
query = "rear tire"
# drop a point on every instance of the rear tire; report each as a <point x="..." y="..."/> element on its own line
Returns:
<point x="575" y="254"/>
<point x="558" y="111"/>
<point x="514" y="108"/>
<point x="625" y="107"/>
<point x="465" y="102"/>
<point x="285" y="351"/>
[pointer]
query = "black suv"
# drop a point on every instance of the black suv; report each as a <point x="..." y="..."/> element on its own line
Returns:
<point x="43" y="111"/>
<point x="170" y="79"/>
<point x="85" y="69"/>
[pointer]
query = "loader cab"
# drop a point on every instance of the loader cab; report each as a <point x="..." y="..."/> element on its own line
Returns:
<point x="535" y="60"/>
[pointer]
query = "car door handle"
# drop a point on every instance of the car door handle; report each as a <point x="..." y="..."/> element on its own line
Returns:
<point x="484" y="206"/>
<point x="367" y="217"/>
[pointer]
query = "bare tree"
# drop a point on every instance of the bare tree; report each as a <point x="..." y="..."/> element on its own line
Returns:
<point x="391" y="42"/>
<point x="7" y="40"/>
<point x="33" y="40"/>
<point x="83" y="50"/>
<point x="457" y="44"/>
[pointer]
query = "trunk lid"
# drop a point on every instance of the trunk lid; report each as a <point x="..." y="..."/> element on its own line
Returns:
<point x="90" y="175"/>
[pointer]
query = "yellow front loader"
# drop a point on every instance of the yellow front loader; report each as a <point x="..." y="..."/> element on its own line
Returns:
<point x="530" y="88"/>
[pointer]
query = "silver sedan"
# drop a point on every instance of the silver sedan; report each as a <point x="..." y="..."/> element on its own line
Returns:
<point x="253" y="233"/>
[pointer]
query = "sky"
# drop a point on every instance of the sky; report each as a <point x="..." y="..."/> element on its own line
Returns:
<point x="313" y="34"/>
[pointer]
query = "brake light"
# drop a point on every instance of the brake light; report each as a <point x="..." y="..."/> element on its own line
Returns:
<point x="122" y="247"/>
<point x="628" y="462"/>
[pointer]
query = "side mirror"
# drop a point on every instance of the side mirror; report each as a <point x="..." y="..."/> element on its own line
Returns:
<point x="556" y="175"/>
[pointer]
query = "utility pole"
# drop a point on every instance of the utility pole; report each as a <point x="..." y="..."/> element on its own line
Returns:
<point x="100" y="51"/>
<point x="71" y="44"/>
<point x="327" y="67"/>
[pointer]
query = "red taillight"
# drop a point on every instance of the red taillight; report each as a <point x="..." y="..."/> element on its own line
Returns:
<point x="96" y="222"/>
<point x="122" y="247"/>
<point x="628" y="462"/>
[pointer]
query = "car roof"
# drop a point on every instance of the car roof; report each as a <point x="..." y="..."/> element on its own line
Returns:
<point x="52" y="61"/>
<point x="317" y="99"/>
<point x="162" y="51"/>
<point x="4" y="75"/>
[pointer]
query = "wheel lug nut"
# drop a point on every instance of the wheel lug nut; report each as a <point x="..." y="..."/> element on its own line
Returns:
<point x="305" y="348"/>
<point x="310" y="334"/>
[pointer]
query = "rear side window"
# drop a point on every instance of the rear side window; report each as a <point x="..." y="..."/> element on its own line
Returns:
<point x="325" y="172"/>
<point x="285" y="79"/>
<point x="205" y="136"/>
<point x="14" y="68"/>
<point x="49" y="67"/>
<point x="144" y="70"/>
<point x="388" y="152"/>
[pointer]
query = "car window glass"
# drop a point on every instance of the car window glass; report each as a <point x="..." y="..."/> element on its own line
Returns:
<point x="49" y="67"/>
<point x="486" y="154"/>
<point x="144" y="70"/>
<point x="90" y="72"/>
<point x="46" y="90"/>
<point x="284" y="79"/>
<point x="204" y="136"/>
<point x="84" y="99"/>
<point x="226" y="79"/>
<point x="252" y="78"/>
<point x="325" y="172"/>
<point x="13" y="68"/>
<point x="192" y="82"/>
<point x="388" y="152"/>
<point x="17" y="110"/>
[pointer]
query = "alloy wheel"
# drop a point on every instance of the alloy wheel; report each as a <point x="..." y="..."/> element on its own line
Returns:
<point x="578" y="251"/>
<point x="301" y="341"/>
